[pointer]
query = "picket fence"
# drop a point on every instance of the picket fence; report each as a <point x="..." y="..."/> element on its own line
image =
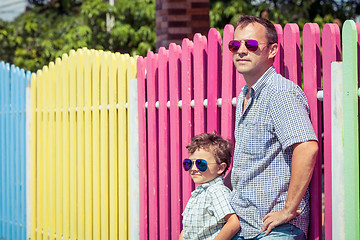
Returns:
<point x="13" y="83"/>
<point x="192" y="88"/>
<point x="81" y="160"/>
<point x="102" y="144"/>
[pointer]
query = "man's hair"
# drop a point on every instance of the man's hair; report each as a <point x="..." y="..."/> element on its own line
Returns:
<point x="271" y="33"/>
<point x="218" y="146"/>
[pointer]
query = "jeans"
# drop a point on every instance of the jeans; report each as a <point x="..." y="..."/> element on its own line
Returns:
<point x="285" y="231"/>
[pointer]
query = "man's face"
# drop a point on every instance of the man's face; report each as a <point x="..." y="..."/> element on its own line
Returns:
<point x="253" y="63"/>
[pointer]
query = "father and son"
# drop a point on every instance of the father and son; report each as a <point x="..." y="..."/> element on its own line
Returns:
<point x="274" y="156"/>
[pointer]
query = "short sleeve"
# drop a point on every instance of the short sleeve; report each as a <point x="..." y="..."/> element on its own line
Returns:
<point x="291" y="116"/>
<point x="220" y="202"/>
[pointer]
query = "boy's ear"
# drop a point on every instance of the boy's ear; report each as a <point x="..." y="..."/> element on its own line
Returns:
<point x="222" y="167"/>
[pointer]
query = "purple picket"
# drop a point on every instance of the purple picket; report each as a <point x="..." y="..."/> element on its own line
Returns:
<point x="175" y="146"/>
<point x="187" y="77"/>
<point x="214" y="76"/>
<point x="292" y="64"/>
<point x="312" y="81"/>
<point x="279" y="58"/>
<point x="164" y="176"/>
<point x="200" y="76"/>
<point x="153" y="161"/>
<point x="330" y="52"/>
<point x="228" y="77"/>
<point x="143" y="169"/>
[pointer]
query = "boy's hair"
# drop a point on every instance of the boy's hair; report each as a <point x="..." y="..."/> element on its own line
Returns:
<point x="271" y="33"/>
<point x="218" y="146"/>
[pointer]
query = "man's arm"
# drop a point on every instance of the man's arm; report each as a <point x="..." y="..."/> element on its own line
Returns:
<point x="302" y="166"/>
<point x="181" y="235"/>
<point x="231" y="227"/>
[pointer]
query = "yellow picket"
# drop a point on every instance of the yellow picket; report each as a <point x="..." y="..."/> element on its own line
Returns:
<point x="113" y="160"/>
<point x="80" y="143"/>
<point x="96" y="145"/>
<point x="73" y="147"/>
<point x="45" y="150"/>
<point x="122" y="145"/>
<point x="39" y="158"/>
<point x="104" y="156"/>
<point x="34" y="185"/>
<point x="88" y="146"/>
<point x="51" y="151"/>
<point x="58" y="150"/>
<point x="66" y="146"/>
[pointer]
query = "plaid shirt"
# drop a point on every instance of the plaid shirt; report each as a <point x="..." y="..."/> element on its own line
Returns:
<point x="205" y="211"/>
<point x="276" y="117"/>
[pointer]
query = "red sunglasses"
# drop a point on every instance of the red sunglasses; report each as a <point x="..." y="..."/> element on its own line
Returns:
<point x="251" y="45"/>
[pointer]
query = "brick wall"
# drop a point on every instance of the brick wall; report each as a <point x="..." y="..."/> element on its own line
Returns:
<point x="178" y="19"/>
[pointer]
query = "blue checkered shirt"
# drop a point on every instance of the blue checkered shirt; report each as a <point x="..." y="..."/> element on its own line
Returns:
<point x="204" y="213"/>
<point x="276" y="117"/>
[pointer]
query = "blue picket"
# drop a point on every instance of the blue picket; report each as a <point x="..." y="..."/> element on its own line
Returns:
<point x="13" y="82"/>
<point x="2" y="150"/>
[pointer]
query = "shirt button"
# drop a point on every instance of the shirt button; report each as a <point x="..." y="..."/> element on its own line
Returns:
<point x="241" y="125"/>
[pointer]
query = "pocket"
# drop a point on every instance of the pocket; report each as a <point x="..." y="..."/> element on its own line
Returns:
<point x="257" y="137"/>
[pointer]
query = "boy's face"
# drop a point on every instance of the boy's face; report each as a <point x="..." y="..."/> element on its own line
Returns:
<point x="213" y="169"/>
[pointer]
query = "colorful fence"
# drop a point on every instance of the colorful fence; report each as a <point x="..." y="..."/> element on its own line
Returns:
<point x="192" y="88"/>
<point x="13" y="83"/>
<point x="83" y="180"/>
<point x="80" y="159"/>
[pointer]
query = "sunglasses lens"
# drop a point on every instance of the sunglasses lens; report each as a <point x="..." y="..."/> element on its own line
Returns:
<point x="252" y="45"/>
<point x="201" y="164"/>
<point x="234" y="45"/>
<point x="187" y="164"/>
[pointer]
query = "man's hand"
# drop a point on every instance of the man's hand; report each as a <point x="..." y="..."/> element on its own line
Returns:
<point x="274" y="219"/>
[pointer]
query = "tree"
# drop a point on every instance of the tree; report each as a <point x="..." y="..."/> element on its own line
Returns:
<point x="50" y="28"/>
<point x="284" y="11"/>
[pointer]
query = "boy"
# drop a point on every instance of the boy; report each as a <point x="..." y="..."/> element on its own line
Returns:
<point x="208" y="214"/>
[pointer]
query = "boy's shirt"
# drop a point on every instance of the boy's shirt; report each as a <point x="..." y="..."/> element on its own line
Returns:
<point x="204" y="213"/>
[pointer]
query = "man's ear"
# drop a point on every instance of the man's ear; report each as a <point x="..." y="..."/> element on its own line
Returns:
<point x="222" y="167"/>
<point x="273" y="49"/>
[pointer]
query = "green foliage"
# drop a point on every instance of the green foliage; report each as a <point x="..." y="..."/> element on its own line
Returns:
<point x="52" y="28"/>
<point x="283" y="11"/>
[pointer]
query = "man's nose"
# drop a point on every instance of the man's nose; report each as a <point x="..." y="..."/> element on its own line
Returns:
<point x="242" y="49"/>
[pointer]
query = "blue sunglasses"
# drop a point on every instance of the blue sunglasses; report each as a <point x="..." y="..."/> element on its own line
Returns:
<point x="201" y="164"/>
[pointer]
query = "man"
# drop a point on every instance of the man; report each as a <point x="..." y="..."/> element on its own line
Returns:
<point x="275" y="144"/>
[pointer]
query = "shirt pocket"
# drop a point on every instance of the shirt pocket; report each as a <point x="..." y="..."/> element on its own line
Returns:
<point x="256" y="137"/>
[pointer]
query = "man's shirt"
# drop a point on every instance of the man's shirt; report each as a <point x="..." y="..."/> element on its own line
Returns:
<point x="276" y="117"/>
<point x="203" y="217"/>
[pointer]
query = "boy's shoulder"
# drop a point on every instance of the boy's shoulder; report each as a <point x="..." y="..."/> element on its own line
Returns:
<point x="218" y="186"/>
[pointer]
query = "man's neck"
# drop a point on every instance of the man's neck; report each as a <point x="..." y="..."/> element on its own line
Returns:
<point x="251" y="79"/>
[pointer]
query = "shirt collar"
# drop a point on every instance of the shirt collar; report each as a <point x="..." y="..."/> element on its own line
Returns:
<point x="202" y="187"/>
<point x="260" y="83"/>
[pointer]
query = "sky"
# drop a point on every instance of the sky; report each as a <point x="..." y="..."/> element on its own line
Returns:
<point x="9" y="9"/>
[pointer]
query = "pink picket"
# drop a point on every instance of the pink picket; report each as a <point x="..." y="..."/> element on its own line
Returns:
<point x="213" y="81"/>
<point x="187" y="78"/>
<point x="175" y="146"/>
<point x="228" y="78"/>
<point x="279" y="58"/>
<point x="292" y="61"/>
<point x="312" y="81"/>
<point x="330" y="52"/>
<point x="164" y="160"/>
<point x="143" y="183"/>
<point x="200" y="76"/>
<point x="153" y="160"/>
